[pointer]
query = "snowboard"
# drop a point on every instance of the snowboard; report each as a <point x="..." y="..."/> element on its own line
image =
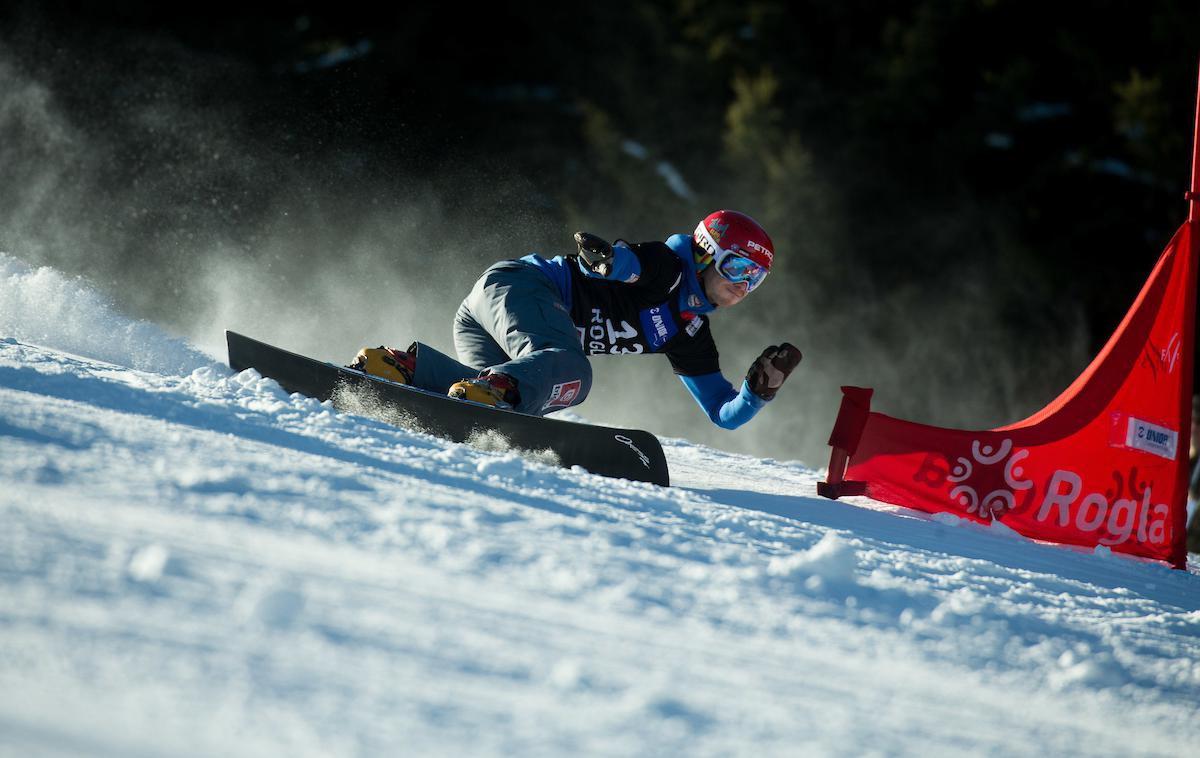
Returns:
<point x="608" y="451"/>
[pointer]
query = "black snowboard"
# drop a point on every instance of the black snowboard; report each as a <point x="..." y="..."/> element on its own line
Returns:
<point x="620" y="453"/>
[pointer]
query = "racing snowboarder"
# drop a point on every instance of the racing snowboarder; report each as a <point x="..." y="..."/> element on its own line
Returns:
<point x="524" y="333"/>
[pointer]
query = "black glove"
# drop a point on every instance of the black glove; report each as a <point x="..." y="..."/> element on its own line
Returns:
<point x="595" y="253"/>
<point x="769" y="370"/>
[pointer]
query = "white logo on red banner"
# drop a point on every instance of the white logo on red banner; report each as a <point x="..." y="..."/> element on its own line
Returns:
<point x="997" y="502"/>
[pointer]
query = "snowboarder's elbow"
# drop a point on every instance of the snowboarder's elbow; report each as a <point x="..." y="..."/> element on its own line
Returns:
<point x="737" y="410"/>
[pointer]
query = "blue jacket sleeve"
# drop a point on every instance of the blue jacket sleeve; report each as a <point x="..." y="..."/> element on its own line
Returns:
<point x="727" y="408"/>
<point x="626" y="266"/>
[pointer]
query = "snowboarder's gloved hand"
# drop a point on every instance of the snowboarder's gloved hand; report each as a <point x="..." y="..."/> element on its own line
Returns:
<point x="595" y="253"/>
<point x="769" y="370"/>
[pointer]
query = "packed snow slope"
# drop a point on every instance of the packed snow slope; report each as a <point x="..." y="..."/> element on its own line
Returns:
<point x="194" y="563"/>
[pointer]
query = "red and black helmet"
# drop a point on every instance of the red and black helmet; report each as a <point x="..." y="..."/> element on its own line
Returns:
<point x="723" y="234"/>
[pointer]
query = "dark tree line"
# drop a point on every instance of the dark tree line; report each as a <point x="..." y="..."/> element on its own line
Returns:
<point x="1017" y="164"/>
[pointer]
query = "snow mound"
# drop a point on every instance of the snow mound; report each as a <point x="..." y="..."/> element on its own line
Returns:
<point x="492" y="441"/>
<point x="42" y="306"/>
<point x="831" y="562"/>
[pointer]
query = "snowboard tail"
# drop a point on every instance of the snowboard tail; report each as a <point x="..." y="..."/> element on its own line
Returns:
<point x="608" y="451"/>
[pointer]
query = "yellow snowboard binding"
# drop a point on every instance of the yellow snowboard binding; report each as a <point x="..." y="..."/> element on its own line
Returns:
<point x="387" y="363"/>
<point x="496" y="390"/>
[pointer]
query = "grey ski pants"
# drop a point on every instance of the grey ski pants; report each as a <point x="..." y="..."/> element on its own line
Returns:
<point x="514" y="322"/>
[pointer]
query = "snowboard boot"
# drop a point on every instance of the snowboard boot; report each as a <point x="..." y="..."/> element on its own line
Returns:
<point x="496" y="390"/>
<point x="386" y="363"/>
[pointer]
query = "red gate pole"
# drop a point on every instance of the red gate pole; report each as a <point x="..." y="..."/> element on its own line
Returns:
<point x="1194" y="195"/>
<point x="1187" y="388"/>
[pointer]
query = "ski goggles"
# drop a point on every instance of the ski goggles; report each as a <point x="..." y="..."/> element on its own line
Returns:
<point x="738" y="269"/>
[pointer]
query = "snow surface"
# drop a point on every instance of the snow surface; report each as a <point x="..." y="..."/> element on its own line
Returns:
<point x="195" y="563"/>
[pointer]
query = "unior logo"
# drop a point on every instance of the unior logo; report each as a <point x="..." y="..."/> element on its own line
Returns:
<point x="1151" y="438"/>
<point x="660" y="325"/>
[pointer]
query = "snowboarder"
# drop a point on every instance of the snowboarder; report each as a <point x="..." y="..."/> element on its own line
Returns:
<point x="524" y="333"/>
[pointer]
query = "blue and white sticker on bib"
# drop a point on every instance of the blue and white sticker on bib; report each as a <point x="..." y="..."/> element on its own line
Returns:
<point x="658" y="326"/>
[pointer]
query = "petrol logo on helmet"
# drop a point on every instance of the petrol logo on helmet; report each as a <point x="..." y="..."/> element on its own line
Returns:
<point x="755" y="246"/>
